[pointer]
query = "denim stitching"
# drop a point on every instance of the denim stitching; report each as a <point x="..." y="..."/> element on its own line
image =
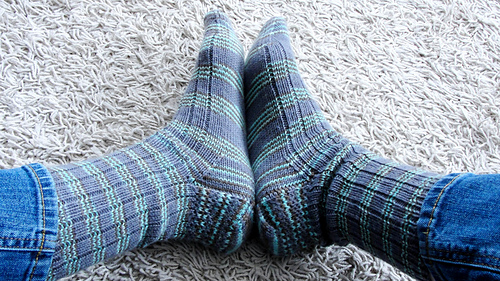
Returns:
<point x="29" y="248"/>
<point x="465" y="254"/>
<point x="477" y="263"/>
<point x="432" y="213"/>
<point x="43" y="221"/>
<point x="32" y="239"/>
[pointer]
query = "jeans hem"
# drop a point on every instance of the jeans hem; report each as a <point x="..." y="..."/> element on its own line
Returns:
<point x="28" y="222"/>
<point x="457" y="232"/>
<point x="49" y="221"/>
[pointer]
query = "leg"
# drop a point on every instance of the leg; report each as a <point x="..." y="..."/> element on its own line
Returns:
<point x="190" y="181"/>
<point x="314" y="186"/>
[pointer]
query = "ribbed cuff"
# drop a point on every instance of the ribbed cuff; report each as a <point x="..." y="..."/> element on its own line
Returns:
<point x="375" y="204"/>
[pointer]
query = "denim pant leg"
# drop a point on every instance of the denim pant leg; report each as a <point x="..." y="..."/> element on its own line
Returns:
<point x="28" y="223"/>
<point x="459" y="228"/>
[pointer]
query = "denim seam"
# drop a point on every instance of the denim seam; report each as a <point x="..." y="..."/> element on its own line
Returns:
<point x="433" y="210"/>
<point x="454" y="260"/>
<point x="29" y="248"/>
<point x="31" y="239"/>
<point x="466" y="254"/>
<point x="43" y="222"/>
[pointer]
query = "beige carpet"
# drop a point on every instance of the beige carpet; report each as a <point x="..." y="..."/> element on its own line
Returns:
<point x="416" y="81"/>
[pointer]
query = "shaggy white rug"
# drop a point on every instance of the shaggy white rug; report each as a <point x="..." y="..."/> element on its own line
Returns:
<point x="414" y="80"/>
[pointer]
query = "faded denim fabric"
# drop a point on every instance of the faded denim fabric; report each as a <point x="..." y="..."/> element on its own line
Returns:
<point x="28" y="222"/>
<point x="459" y="228"/>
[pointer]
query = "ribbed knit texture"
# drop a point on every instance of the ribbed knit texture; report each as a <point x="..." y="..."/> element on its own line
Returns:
<point x="314" y="186"/>
<point x="190" y="181"/>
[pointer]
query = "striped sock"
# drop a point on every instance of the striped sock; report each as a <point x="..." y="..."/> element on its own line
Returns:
<point x="190" y="181"/>
<point x="314" y="186"/>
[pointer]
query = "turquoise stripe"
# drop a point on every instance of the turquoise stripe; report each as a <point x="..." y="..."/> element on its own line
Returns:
<point x="279" y="142"/>
<point x="116" y="206"/>
<point x="356" y="167"/>
<point x="371" y="188"/>
<point x="405" y="228"/>
<point x="276" y="70"/>
<point x="219" y="105"/>
<point x="252" y="53"/>
<point x="216" y="144"/>
<point x="388" y="208"/>
<point x="140" y="201"/>
<point x="239" y="232"/>
<point x="289" y="99"/>
<point x="131" y="183"/>
<point x="175" y="179"/>
<point x="282" y="182"/>
<point x="229" y="43"/>
<point x="222" y="72"/>
<point x="158" y="186"/>
<point x="278" y="231"/>
<point x="222" y="200"/>
<point x="275" y="170"/>
<point x="68" y="248"/>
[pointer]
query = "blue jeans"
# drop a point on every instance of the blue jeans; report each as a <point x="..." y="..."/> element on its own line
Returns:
<point x="28" y="223"/>
<point x="459" y="229"/>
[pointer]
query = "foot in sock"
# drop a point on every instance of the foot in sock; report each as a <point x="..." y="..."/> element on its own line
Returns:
<point x="190" y="181"/>
<point x="314" y="186"/>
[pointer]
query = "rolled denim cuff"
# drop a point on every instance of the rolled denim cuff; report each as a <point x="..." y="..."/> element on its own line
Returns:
<point x="28" y="222"/>
<point x="459" y="228"/>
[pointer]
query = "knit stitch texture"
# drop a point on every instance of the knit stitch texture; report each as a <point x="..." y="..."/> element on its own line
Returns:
<point x="314" y="186"/>
<point x="190" y="181"/>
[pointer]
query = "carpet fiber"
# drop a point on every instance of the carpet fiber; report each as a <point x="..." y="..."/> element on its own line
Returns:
<point x="416" y="81"/>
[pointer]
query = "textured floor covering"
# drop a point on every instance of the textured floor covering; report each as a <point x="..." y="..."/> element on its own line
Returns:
<point x="416" y="81"/>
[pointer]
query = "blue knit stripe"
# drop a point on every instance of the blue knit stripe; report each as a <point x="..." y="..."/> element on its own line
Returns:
<point x="65" y="232"/>
<point x="191" y="180"/>
<point x="223" y="210"/>
<point x="314" y="186"/>
<point x="88" y="209"/>
<point x="219" y="105"/>
<point x="263" y="37"/>
<point x="138" y="199"/>
<point x="289" y="100"/>
<point x="412" y="207"/>
<point x="277" y="144"/>
<point x="168" y="173"/>
<point x="116" y="205"/>
<point x="345" y="190"/>
<point x="223" y="38"/>
<point x="367" y="201"/>
<point x="221" y="72"/>
<point x="288" y="103"/>
<point x="280" y="71"/>
<point x="240" y="230"/>
<point x="213" y="143"/>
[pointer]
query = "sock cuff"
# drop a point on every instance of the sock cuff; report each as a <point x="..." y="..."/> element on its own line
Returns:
<point x="372" y="202"/>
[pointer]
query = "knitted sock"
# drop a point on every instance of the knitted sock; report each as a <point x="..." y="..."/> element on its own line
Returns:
<point x="190" y="181"/>
<point x="314" y="186"/>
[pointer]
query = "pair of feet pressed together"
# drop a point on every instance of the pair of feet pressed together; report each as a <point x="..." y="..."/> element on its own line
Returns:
<point x="246" y="135"/>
